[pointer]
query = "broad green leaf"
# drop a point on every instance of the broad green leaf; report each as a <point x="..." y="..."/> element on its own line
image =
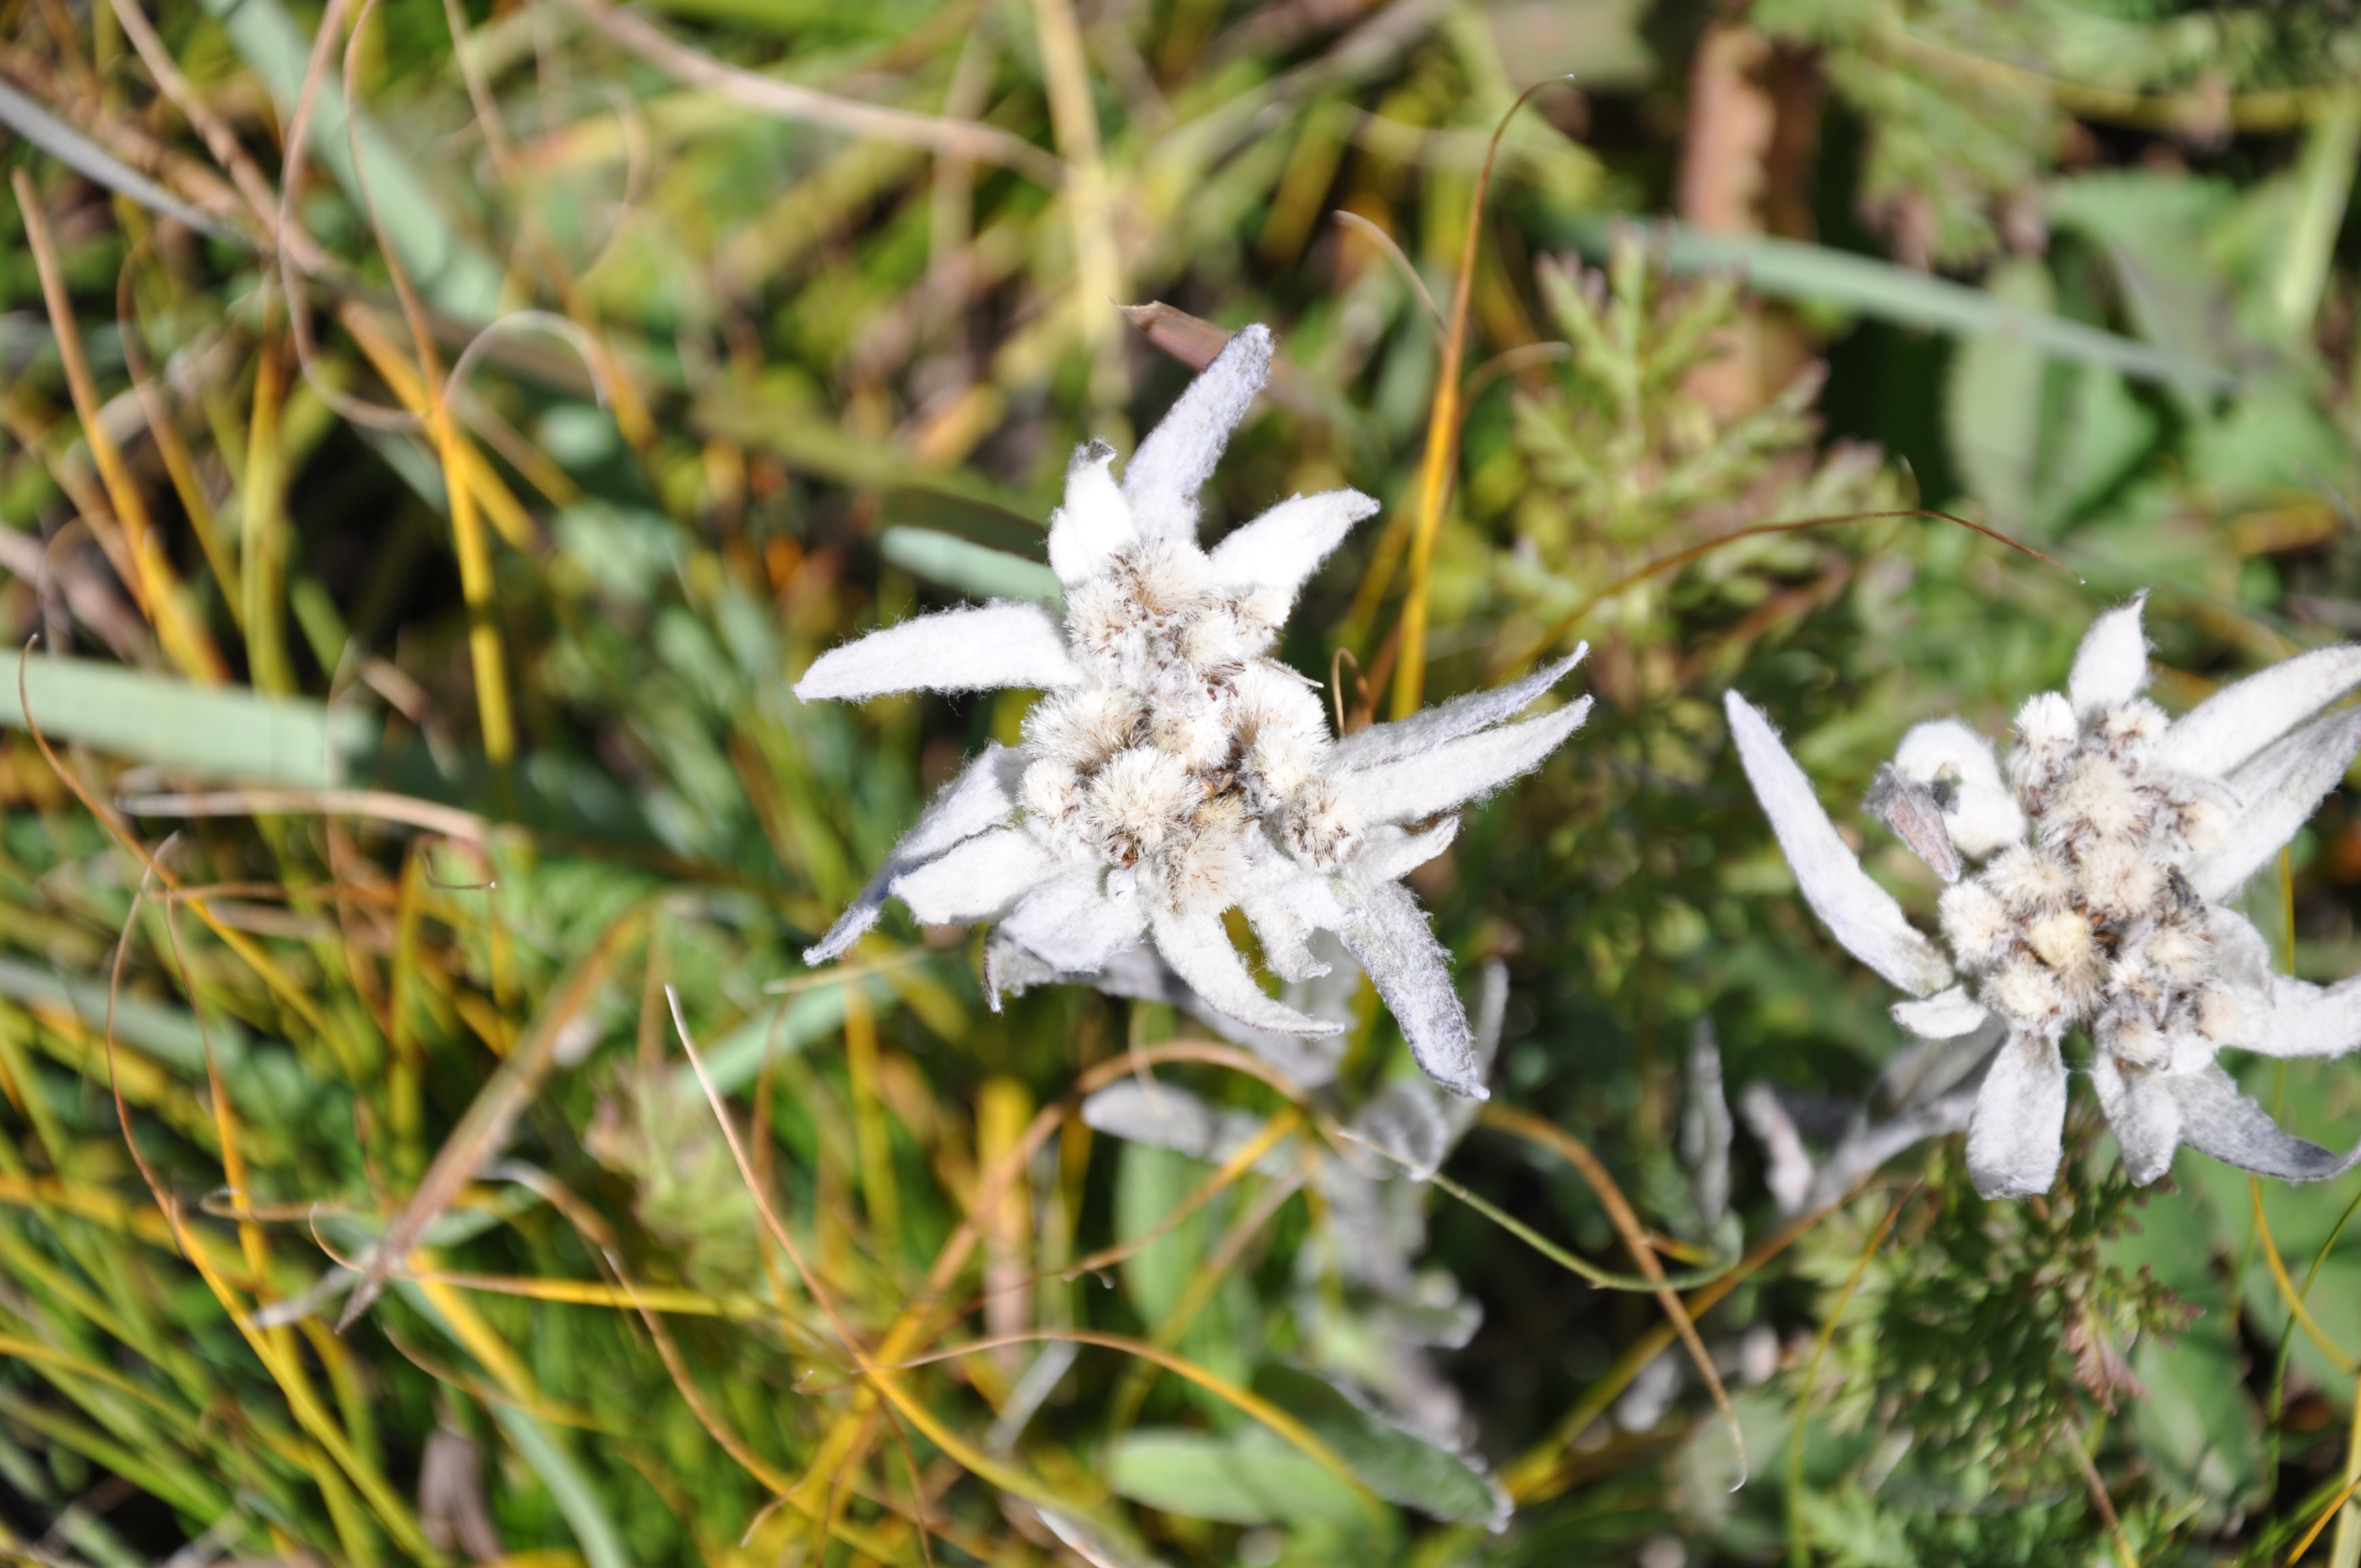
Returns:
<point x="2154" y="231"/>
<point x="1394" y="1465"/>
<point x="1149" y="1184"/>
<point x="2199" y="1422"/>
<point x="2102" y="429"/>
<point x="225" y="731"/>
<point x="1789" y="270"/>
<point x="972" y="569"/>
<point x="1253" y="1478"/>
<point x="1992" y="408"/>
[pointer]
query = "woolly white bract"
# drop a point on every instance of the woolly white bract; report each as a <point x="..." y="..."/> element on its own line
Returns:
<point x="2089" y="888"/>
<point x="1174" y="772"/>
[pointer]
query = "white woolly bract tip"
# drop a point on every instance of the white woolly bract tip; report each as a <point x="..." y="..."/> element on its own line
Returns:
<point x="981" y="797"/>
<point x="1857" y="912"/>
<point x="2015" y="1137"/>
<point x="2280" y="788"/>
<point x="2143" y="1114"/>
<point x="1094" y="522"/>
<point x="1286" y="545"/>
<point x="979" y="880"/>
<point x="2217" y="1120"/>
<point x="1460" y="770"/>
<point x="1196" y="944"/>
<point x="2304" y="1020"/>
<point x="1423" y="731"/>
<point x="2231" y="726"/>
<point x="1076" y="921"/>
<point x="1387" y="932"/>
<point x="1178" y="456"/>
<point x="1156" y="1113"/>
<point x="1945" y="1016"/>
<point x="981" y="648"/>
<point x="2111" y="664"/>
<point x="1392" y="854"/>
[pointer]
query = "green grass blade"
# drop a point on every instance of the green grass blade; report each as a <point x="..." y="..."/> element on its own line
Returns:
<point x="975" y="570"/>
<point x="225" y="732"/>
<point x="1790" y="269"/>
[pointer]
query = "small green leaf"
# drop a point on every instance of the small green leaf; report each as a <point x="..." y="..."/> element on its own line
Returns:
<point x="1394" y="1465"/>
<point x="970" y="568"/>
<point x="1253" y="1478"/>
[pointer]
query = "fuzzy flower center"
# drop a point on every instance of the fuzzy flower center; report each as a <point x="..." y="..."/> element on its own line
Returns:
<point x="1185" y="738"/>
<point x="2089" y="919"/>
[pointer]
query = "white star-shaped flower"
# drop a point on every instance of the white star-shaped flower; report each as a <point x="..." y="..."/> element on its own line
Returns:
<point x="1174" y="772"/>
<point x="2089" y="888"/>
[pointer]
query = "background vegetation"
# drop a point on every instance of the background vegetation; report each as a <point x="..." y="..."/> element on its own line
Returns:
<point x="414" y="712"/>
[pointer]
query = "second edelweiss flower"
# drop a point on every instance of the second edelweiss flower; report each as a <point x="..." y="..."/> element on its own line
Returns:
<point x="2090" y="888"/>
<point x="1175" y="772"/>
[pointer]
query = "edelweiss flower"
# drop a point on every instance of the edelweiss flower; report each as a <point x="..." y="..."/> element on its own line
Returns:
<point x="1174" y="772"/>
<point x="2091" y="889"/>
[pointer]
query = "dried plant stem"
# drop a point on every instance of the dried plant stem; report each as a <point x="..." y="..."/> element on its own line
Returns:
<point x="1274" y="1132"/>
<point x="1538" y="1474"/>
<point x="2337" y="1356"/>
<point x="1003" y="1107"/>
<point x="150" y="576"/>
<point x="2270" y="109"/>
<point x="470" y="485"/>
<point x="178" y="462"/>
<point x="922" y="1319"/>
<point x="2334" y="1510"/>
<point x="875" y="1147"/>
<point x="1441" y="464"/>
<point x="485" y="1128"/>
<point x="1252" y="1404"/>
<point x="1098" y="265"/>
<point x="845" y="1447"/>
<point x="297" y="1000"/>
<point x="1576" y="1153"/>
<point x="1203" y="1281"/>
<point x="1680" y="558"/>
<point x="2345" y="1546"/>
<point x="786" y="101"/>
<point x="377" y="804"/>
<point x="269" y="1347"/>
<point x="2079" y="1443"/>
<point x="401" y="375"/>
<point x="219" y="139"/>
<point x="262" y="543"/>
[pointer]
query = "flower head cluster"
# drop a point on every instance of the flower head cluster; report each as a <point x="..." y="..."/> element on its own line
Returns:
<point x="1174" y="770"/>
<point x="2088" y="888"/>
